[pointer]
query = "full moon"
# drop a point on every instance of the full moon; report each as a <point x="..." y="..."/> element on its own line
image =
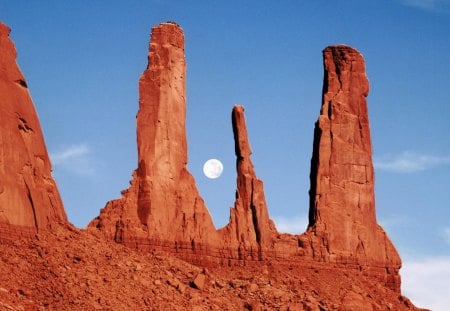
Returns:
<point x="213" y="168"/>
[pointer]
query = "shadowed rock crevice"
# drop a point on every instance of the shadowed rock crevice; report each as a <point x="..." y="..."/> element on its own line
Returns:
<point x="33" y="209"/>
<point x="22" y="83"/>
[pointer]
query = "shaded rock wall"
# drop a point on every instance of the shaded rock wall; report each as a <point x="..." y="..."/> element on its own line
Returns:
<point x="29" y="198"/>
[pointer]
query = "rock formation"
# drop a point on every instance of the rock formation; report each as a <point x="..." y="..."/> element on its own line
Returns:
<point x="344" y="261"/>
<point x="162" y="207"/>
<point x="250" y="232"/>
<point x="342" y="221"/>
<point x="29" y="198"/>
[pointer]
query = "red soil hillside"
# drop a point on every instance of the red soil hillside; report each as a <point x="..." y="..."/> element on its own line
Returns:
<point x="76" y="270"/>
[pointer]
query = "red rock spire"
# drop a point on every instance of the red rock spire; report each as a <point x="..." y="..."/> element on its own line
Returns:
<point x="250" y="232"/>
<point x="342" y="201"/>
<point x="29" y="198"/>
<point x="163" y="205"/>
<point x="168" y="199"/>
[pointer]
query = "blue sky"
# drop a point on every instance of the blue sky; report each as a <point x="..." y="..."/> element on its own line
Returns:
<point x="83" y="59"/>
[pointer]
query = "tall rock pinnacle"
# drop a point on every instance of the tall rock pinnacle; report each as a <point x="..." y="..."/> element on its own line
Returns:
<point x="342" y="202"/>
<point x="163" y="200"/>
<point x="250" y="232"/>
<point x="167" y="197"/>
<point x="29" y="198"/>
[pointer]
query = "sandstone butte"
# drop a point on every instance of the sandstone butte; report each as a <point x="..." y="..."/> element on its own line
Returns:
<point x="156" y="247"/>
<point x="29" y="198"/>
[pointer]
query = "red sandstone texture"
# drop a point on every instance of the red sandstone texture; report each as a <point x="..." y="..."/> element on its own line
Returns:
<point x="343" y="228"/>
<point x="29" y="198"/>
<point x="343" y="262"/>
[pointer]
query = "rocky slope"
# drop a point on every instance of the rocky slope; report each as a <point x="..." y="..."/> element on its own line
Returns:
<point x="71" y="269"/>
<point x="156" y="247"/>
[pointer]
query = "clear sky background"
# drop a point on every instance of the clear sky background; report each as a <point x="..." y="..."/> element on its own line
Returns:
<point x="83" y="59"/>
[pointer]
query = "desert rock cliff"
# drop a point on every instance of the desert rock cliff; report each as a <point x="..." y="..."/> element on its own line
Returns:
<point x="29" y="198"/>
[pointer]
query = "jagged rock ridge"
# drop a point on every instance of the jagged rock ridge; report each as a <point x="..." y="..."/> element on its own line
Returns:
<point x="29" y="198"/>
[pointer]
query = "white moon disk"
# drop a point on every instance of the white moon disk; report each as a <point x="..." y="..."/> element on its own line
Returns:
<point x="213" y="168"/>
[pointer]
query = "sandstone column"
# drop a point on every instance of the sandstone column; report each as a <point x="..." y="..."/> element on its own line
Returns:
<point x="342" y="202"/>
<point x="162" y="206"/>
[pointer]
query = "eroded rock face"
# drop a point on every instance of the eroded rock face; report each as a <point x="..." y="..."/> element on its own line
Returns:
<point x="250" y="232"/>
<point x="29" y="198"/>
<point x="342" y="221"/>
